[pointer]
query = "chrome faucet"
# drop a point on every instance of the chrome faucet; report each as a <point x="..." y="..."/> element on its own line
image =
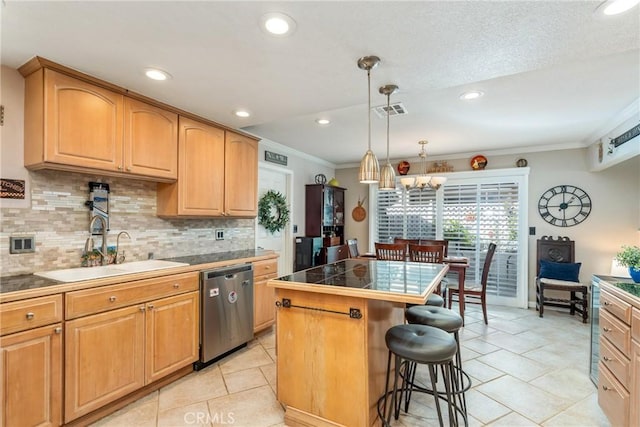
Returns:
<point x="119" y="258"/>
<point x="103" y="251"/>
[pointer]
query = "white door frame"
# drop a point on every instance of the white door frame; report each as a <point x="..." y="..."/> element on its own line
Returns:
<point x="287" y="252"/>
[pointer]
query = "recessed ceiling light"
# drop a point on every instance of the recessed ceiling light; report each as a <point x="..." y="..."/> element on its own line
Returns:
<point x="277" y="24"/>
<point x="156" y="74"/>
<point x="323" y="121"/>
<point x="472" y="94"/>
<point x="242" y="113"/>
<point x="615" y="7"/>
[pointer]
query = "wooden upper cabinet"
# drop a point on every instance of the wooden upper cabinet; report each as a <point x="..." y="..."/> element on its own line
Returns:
<point x="241" y="175"/>
<point x="217" y="174"/>
<point x="81" y="123"/>
<point x="75" y="125"/>
<point x="150" y="140"/>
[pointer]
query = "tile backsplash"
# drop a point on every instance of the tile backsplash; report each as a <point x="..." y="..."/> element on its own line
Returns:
<point x="59" y="220"/>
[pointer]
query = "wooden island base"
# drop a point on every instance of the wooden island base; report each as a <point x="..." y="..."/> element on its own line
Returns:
<point x="332" y="367"/>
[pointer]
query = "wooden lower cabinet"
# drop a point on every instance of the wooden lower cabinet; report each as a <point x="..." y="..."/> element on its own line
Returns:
<point x="264" y="309"/>
<point x="104" y="359"/>
<point x="31" y="390"/>
<point x="112" y="354"/>
<point x="172" y="340"/>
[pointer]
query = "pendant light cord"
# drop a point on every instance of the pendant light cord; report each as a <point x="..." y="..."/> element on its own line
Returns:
<point x="388" y="110"/>
<point x="369" y="108"/>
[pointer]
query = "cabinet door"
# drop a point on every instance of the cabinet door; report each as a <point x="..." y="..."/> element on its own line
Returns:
<point x="31" y="391"/>
<point x="104" y="359"/>
<point x="264" y="309"/>
<point x="634" y="418"/>
<point x="172" y="340"/>
<point x="241" y="176"/>
<point x="150" y="140"/>
<point x="83" y="123"/>
<point x="338" y="206"/>
<point x="328" y="215"/>
<point x="201" y="169"/>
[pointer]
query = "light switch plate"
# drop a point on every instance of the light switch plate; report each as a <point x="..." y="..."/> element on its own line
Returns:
<point x="22" y="244"/>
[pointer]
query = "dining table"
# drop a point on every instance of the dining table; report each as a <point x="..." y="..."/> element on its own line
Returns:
<point x="459" y="265"/>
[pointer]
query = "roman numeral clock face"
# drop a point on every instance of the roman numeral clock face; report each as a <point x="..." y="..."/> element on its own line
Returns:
<point x="564" y="205"/>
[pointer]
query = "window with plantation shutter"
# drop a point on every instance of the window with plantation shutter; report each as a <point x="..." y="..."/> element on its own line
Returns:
<point x="470" y="210"/>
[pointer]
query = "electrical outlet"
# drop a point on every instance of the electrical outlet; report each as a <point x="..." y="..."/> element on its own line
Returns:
<point x="219" y="234"/>
<point x="22" y="245"/>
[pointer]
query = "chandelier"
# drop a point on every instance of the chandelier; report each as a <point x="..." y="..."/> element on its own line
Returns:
<point x="423" y="181"/>
<point x="369" y="167"/>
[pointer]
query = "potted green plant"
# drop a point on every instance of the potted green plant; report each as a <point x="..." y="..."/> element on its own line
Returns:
<point x="629" y="257"/>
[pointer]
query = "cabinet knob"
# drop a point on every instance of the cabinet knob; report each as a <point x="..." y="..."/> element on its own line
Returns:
<point x="176" y="285"/>
<point x="605" y="388"/>
<point x="119" y="168"/>
<point x="606" y="329"/>
<point x="112" y="298"/>
<point x="606" y="303"/>
<point x="150" y="306"/>
<point x="128" y="169"/>
<point x="268" y="267"/>
<point x="30" y="315"/>
<point x="142" y="308"/>
<point x="606" y="359"/>
<point x="58" y="330"/>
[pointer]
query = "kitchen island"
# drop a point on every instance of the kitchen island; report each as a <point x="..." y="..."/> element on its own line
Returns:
<point x="330" y="326"/>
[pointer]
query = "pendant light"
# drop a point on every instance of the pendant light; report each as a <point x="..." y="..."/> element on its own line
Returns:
<point x="387" y="173"/>
<point x="369" y="167"/>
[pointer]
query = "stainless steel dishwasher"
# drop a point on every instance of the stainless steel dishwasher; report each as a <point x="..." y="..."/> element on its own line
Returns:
<point x="226" y="311"/>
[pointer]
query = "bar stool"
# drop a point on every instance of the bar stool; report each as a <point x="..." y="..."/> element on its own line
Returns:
<point x="448" y="321"/>
<point x="425" y="345"/>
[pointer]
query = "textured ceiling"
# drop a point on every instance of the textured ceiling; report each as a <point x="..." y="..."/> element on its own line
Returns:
<point x="554" y="73"/>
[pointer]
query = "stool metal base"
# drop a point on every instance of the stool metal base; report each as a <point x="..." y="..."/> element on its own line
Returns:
<point x="406" y="370"/>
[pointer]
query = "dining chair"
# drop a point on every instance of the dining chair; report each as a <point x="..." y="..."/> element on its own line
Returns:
<point x="391" y="251"/>
<point x="476" y="293"/>
<point x="443" y="242"/>
<point x="426" y="253"/>
<point x="353" y="248"/>
<point x="557" y="270"/>
<point x="406" y="242"/>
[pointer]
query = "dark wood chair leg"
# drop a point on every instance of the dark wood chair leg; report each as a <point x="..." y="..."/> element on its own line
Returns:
<point x="483" y="302"/>
<point x="585" y="307"/>
<point x="541" y="287"/>
<point x="572" y="304"/>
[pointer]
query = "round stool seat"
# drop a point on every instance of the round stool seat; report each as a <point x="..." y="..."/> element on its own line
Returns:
<point x="438" y="317"/>
<point x="422" y="344"/>
<point x="435" y="300"/>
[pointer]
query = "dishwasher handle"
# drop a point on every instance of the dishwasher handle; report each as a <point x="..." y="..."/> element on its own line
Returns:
<point x="227" y="272"/>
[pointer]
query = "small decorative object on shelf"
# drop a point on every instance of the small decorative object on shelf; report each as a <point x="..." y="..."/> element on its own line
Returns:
<point x="629" y="257"/>
<point x="403" y="167"/>
<point x="479" y="162"/>
<point x="321" y="179"/>
<point x="521" y="163"/>
<point x="439" y="167"/>
<point x="334" y="182"/>
<point x="273" y="213"/>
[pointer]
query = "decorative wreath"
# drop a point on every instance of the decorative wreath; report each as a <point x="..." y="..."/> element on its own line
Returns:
<point x="273" y="213"/>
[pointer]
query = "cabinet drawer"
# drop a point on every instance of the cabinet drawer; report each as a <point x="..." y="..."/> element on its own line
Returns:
<point x="90" y="301"/>
<point x="616" y="306"/>
<point x="635" y="324"/>
<point x="612" y="398"/>
<point x="617" y="363"/>
<point x="616" y="332"/>
<point x="261" y="268"/>
<point x="22" y="315"/>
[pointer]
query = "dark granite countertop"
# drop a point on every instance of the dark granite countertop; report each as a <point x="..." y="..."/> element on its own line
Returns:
<point x="624" y="284"/>
<point x="25" y="282"/>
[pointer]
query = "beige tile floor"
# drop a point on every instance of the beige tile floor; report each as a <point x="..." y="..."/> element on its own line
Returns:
<point x="526" y="371"/>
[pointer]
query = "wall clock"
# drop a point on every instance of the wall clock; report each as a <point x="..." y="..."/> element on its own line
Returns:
<point x="564" y="205"/>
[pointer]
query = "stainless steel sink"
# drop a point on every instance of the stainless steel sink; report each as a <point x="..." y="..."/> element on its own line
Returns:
<point x="88" y="273"/>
